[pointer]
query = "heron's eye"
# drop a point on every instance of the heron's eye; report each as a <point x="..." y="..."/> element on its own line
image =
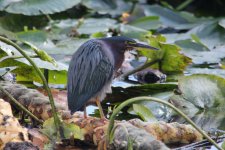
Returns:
<point x="129" y="42"/>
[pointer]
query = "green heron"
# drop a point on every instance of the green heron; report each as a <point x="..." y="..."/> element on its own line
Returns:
<point x="92" y="69"/>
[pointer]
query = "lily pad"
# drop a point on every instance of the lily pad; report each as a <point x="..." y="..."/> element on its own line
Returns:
<point x="201" y="54"/>
<point x="147" y="23"/>
<point x="210" y="33"/>
<point x="202" y="90"/>
<point x="93" y="25"/>
<point x="133" y="32"/>
<point x="214" y="71"/>
<point x="113" y="7"/>
<point x="171" y="18"/>
<point x="32" y="36"/>
<point x="36" y="7"/>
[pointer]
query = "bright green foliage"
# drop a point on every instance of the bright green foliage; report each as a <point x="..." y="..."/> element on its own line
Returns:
<point x="169" y="56"/>
<point x="202" y="90"/>
<point x="70" y="130"/>
<point x="144" y="112"/>
<point x="37" y="7"/>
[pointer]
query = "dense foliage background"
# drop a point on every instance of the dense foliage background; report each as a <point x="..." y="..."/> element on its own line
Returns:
<point x="190" y="35"/>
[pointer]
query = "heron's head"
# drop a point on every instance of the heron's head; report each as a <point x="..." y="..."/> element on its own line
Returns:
<point x="122" y="44"/>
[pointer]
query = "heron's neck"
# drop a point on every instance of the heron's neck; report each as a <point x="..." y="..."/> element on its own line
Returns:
<point x="119" y="58"/>
<point x="114" y="55"/>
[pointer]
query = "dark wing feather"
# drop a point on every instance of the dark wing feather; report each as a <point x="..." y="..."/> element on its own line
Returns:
<point x="89" y="71"/>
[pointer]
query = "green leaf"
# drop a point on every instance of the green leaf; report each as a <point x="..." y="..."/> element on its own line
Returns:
<point x="8" y="50"/>
<point x="37" y="7"/>
<point x="133" y="32"/>
<point x="68" y="129"/>
<point x="199" y="53"/>
<point x="197" y="40"/>
<point x="171" y="60"/>
<point x="41" y="54"/>
<point x="222" y="22"/>
<point x="73" y="130"/>
<point x="223" y="145"/>
<point x="144" y="112"/>
<point x="215" y="71"/>
<point x="171" y="18"/>
<point x="49" y="129"/>
<point x="27" y="73"/>
<point x="147" y="23"/>
<point x="114" y="7"/>
<point x="210" y="33"/>
<point x="202" y="90"/>
<point x="98" y="35"/>
<point x="32" y="36"/>
<point x="93" y="25"/>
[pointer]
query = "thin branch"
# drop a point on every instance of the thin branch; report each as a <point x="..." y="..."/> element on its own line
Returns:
<point x="146" y="65"/>
<point x="16" y="57"/>
<point x="20" y="105"/>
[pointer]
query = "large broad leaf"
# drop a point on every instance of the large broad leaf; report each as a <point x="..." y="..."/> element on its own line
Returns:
<point x="147" y="23"/>
<point x="57" y="74"/>
<point x="202" y="98"/>
<point x="171" y="18"/>
<point x="91" y="25"/>
<point x="202" y="90"/>
<point x="41" y="40"/>
<point x="210" y="33"/>
<point x="222" y="23"/>
<point x="199" y="53"/>
<point x="133" y="32"/>
<point x="36" y="7"/>
<point x="25" y="72"/>
<point x="169" y="55"/>
<point x="214" y="71"/>
<point x="17" y="23"/>
<point x="32" y="36"/>
<point x="68" y="28"/>
<point x="113" y="7"/>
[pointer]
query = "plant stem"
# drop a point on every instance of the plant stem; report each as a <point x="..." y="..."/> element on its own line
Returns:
<point x="133" y="6"/>
<point x="20" y="105"/>
<point x="146" y="65"/>
<point x="16" y="57"/>
<point x="145" y="98"/>
<point x="184" y="4"/>
<point x="57" y="121"/>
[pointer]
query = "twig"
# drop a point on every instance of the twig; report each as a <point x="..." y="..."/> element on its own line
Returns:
<point x="146" y="65"/>
<point x="16" y="57"/>
<point x="20" y="105"/>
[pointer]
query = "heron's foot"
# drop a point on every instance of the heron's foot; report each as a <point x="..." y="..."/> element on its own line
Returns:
<point x="85" y="116"/>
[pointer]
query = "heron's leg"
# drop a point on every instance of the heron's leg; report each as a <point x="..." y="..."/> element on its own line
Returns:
<point x="85" y="112"/>
<point x="100" y="108"/>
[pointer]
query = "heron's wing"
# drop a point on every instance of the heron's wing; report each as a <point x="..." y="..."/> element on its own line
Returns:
<point x="89" y="71"/>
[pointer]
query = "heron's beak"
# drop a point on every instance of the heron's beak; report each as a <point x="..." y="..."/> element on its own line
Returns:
<point x="139" y="45"/>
